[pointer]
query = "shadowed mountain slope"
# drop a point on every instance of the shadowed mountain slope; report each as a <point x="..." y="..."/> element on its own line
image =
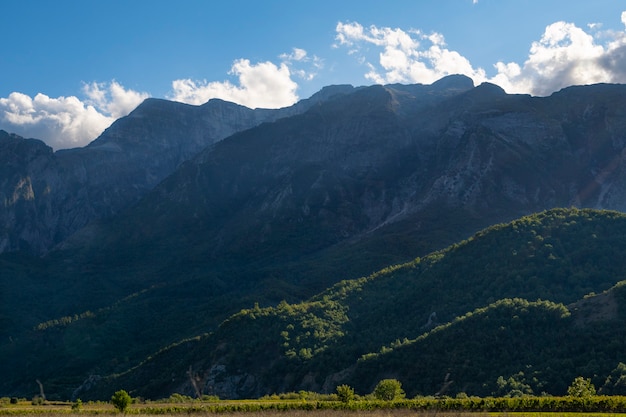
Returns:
<point x="49" y="196"/>
<point x="461" y="311"/>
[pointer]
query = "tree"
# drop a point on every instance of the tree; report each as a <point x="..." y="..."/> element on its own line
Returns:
<point x="615" y="383"/>
<point x="389" y="390"/>
<point x="77" y="405"/>
<point x="581" y="387"/>
<point x="515" y="386"/>
<point x="121" y="400"/>
<point x="345" y="393"/>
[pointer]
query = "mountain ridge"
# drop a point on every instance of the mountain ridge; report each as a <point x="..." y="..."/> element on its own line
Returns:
<point x="127" y="160"/>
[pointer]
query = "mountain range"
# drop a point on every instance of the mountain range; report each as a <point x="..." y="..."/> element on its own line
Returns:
<point x="50" y="195"/>
<point x="177" y="217"/>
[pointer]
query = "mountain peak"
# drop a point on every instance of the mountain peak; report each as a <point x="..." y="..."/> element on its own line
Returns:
<point x="490" y="89"/>
<point x="454" y="82"/>
<point x="332" y="90"/>
<point x="6" y="135"/>
<point x="19" y="144"/>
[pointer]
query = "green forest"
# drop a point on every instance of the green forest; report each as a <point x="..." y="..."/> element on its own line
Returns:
<point x="518" y="309"/>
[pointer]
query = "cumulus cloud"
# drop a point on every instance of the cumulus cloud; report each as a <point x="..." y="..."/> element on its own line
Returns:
<point x="297" y="54"/>
<point x="302" y="65"/>
<point x="113" y="99"/>
<point x="564" y="55"/>
<point x="265" y="85"/>
<point x="67" y="122"/>
<point x="406" y="56"/>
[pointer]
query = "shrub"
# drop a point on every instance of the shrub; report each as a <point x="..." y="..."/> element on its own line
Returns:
<point x="389" y="390"/>
<point x="345" y="393"/>
<point x="581" y="387"/>
<point x="179" y="398"/>
<point x="210" y="398"/>
<point x="121" y="400"/>
<point x="77" y="405"/>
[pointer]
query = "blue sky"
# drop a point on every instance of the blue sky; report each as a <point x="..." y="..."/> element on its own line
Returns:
<point x="69" y="68"/>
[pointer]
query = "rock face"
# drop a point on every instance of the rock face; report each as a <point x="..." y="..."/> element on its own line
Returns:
<point x="22" y="163"/>
<point x="397" y="154"/>
<point x="48" y="196"/>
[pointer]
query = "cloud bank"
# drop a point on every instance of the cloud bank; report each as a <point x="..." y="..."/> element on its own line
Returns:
<point x="564" y="55"/>
<point x="261" y="85"/>
<point x="67" y="122"/>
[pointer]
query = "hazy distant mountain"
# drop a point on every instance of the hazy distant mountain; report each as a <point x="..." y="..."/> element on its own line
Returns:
<point x="340" y="185"/>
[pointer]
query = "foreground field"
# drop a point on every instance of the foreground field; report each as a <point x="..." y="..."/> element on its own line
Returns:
<point x="56" y="411"/>
<point x="424" y="407"/>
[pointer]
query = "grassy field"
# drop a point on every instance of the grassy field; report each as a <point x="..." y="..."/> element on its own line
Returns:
<point x="233" y="409"/>
<point x="300" y="413"/>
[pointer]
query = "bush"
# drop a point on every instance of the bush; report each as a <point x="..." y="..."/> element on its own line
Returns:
<point x="388" y="390"/>
<point x="345" y="393"/>
<point x="77" y="405"/>
<point x="210" y="398"/>
<point x="581" y="387"/>
<point x="179" y="398"/>
<point x="121" y="400"/>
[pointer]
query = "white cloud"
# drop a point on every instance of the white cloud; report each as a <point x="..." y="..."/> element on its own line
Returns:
<point x="66" y="122"/>
<point x="406" y="57"/>
<point x="297" y="55"/>
<point x="262" y="85"/>
<point x="113" y="99"/>
<point x="564" y="55"/>
<point x="301" y="64"/>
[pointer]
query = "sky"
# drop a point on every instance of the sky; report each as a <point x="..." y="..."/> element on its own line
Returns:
<point x="70" y="68"/>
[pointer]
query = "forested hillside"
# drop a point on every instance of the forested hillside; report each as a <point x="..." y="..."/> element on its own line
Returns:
<point x="467" y="315"/>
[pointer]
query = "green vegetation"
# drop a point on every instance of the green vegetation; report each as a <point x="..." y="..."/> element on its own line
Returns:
<point x="582" y="388"/>
<point x="615" y="383"/>
<point x="77" y="405"/>
<point x="456" y="321"/>
<point x="388" y="390"/>
<point x="473" y="319"/>
<point x="345" y="393"/>
<point x="121" y="400"/>
<point x="600" y="406"/>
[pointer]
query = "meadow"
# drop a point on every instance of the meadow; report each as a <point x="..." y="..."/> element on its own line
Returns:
<point x="600" y="406"/>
